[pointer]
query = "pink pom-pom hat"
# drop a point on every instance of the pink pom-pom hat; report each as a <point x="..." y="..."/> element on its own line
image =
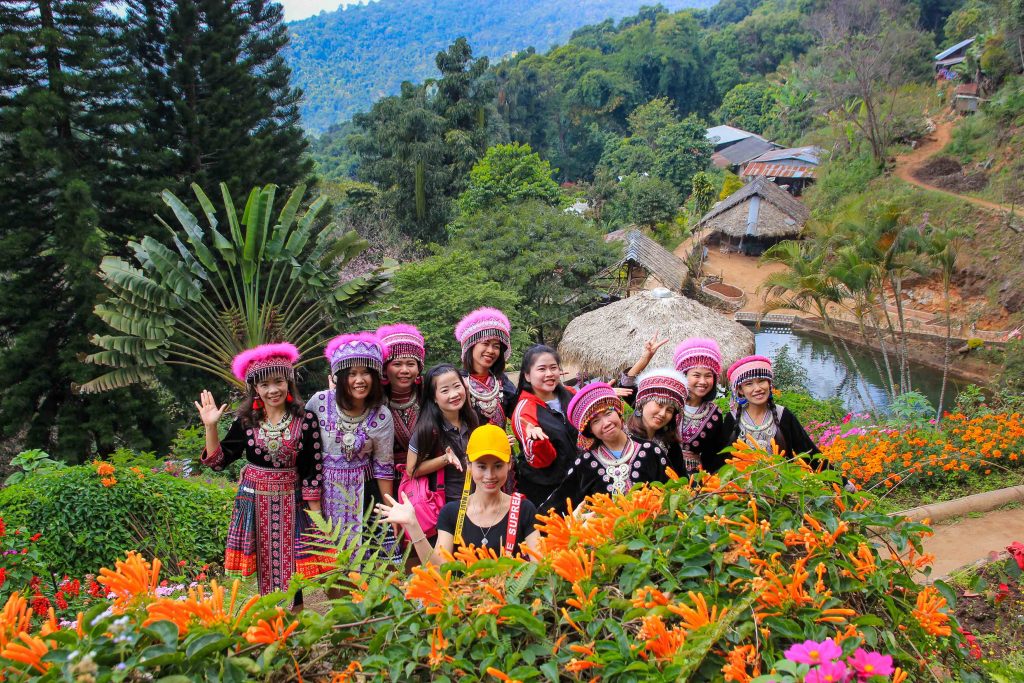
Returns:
<point x="481" y="324"/>
<point x="361" y="348"/>
<point x="664" y="385"/>
<point x="751" y="367"/>
<point x="698" y="352"/>
<point x="588" y="402"/>
<point x="403" y="341"/>
<point x="252" y="365"/>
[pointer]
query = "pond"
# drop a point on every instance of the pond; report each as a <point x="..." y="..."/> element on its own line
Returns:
<point x="829" y="375"/>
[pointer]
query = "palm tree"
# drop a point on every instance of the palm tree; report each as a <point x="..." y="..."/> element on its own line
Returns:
<point x="215" y="294"/>
<point x="943" y="246"/>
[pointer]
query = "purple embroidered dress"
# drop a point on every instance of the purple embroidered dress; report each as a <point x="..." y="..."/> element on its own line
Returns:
<point x="356" y="452"/>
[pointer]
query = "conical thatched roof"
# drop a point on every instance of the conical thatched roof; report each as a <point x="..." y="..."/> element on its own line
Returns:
<point x="611" y="338"/>
<point x="654" y="259"/>
<point x="788" y="218"/>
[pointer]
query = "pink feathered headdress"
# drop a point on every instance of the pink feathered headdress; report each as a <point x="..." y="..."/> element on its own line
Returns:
<point x="481" y="324"/>
<point x="698" y="352"/>
<point x="254" y="364"/>
<point x="403" y="341"/>
<point x="360" y="348"/>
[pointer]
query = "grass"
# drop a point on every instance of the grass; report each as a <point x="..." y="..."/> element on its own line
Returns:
<point x="908" y="495"/>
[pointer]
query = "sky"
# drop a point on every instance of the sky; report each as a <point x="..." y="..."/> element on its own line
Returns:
<point x="300" y="9"/>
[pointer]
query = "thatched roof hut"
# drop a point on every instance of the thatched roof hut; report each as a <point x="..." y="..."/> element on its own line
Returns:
<point x="642" y="257"/>
<point x="759" y="209"/>
<point x="609" y="340"/>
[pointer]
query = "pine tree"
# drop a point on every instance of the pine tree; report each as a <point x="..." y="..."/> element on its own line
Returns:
<point x="218" y="93"/>
<point x="69" y="155"/>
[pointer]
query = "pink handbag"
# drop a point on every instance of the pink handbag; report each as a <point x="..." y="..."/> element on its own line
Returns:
<point x="425" y="500"/>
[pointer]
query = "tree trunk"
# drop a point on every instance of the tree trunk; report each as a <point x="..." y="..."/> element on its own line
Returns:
<point x="945" y="357"/>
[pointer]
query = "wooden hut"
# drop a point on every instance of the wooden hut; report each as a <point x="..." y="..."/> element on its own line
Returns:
<point x="605" y="341"/>
<point x="755" y="217"/>
<point x="643" y="259"/>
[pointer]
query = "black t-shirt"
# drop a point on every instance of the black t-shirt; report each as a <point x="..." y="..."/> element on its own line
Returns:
<point x="474" y="535"/>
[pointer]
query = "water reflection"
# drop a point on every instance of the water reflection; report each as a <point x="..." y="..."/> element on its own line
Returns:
<point x="829" y="375"/>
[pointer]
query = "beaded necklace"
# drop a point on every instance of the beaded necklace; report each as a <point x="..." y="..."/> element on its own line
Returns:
<point x="272" y="435"/>
<point x="350" y="431"/>
<point x="486" y="396"/>
<point x="616" y="468"/>
<point x="762" y="433"/>
<point x="406" y="414"/>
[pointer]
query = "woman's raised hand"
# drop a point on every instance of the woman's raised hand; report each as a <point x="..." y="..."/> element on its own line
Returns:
<point x="652" y="345"/>
<point x="209" y="412"/>
<point x="393" y="512"/>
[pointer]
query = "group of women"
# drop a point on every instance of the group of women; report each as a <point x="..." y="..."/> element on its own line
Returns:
<point x="384" y="424"/>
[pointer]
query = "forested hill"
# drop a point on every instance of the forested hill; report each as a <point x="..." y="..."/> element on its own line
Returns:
<point x="347" y="59"/>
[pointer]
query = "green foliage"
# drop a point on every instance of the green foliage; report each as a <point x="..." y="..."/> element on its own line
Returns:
<point x="344" y="60"/>
<point x="84" y="524"/>
<point x="750" y="106"/>
<point x="543" y="254"/>
<point x="912" y="408"/>
<point x="418" y="147"/>
<point x="731" y="184"/>
<point x="702" y="194"/>
<point x="809" y="409"/>
<point x="643" y="200"/>
<point x="838" y="181"/>
<point x="1011" y="375"/>
<point x="31" y="462"/>
<point x="509" y="174"/>
<point x="788" y="374"/>
<point x="332" y="158"/>
<point x="204" y="303"/>
<point x="435" y="293"/>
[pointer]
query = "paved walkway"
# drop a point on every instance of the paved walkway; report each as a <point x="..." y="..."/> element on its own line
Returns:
<point x="969" y="539"/>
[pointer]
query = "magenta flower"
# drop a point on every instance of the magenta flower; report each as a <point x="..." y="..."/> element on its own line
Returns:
<point x="811" y="652"/>
<point x="829" y="672"/>
<point x="868" y="664"/>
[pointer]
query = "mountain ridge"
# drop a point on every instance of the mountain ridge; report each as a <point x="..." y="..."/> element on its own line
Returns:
<point x="346" y="59"/>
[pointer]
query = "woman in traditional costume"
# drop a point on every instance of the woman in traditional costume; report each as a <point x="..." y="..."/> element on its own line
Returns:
<point x="402" y="380"/>
<point x="540" y="424"/>
<point x="486" y="338"/>
<point x="358" y="432"/>
<point x="758" y="420"/>
<point x="610" y="461"/>
<point x="281" y="444"/>
<point x="660" y="400"/>
<point x="703" y="430"/>
<point x="487" y="517"/>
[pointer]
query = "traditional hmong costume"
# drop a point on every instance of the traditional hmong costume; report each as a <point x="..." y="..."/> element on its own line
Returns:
<point x="667" y="387"/>
<point x="779" y="424"/>
<point x="357" y="449"/>
<point x="703" y="431"/>
<point x="492" y="395"/>
<point x="283" y="468"/>
<point x="598" y="469"/>
<point x="403" y="341"/>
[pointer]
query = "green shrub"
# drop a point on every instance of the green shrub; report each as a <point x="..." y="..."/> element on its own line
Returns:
<point x="84" y="524"/>
<point x="839" y="179"/>
<point x="809" y="409"/>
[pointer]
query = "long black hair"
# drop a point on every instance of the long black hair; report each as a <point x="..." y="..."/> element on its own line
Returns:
<point x="529" y="358"/>
<point x="251" y="416"/>
<point x="374" y="399"/>
<point x="498" y="369"/>
<point x="429" y="422"/>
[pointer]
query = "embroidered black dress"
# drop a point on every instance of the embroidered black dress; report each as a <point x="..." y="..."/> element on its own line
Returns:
<point x="282" y="470"/>
<point x="703" y="435"/>
<point x="600" y="471"/>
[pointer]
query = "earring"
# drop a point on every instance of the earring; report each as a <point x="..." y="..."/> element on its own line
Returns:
<point x="384" y="379"/>
<point x="419" y="380"/>
<point x="289" y="398"/>
<point x="257" y="404"/>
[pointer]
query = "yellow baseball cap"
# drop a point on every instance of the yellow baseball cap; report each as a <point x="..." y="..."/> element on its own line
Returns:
<point x="488" y="439"/>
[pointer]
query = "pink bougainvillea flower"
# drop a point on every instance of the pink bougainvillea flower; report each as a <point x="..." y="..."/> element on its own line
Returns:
<point x="829" y="672"/>
<point x="1016" y="550"/>
<point x="868" y="664"/>
<point x="810" y="652"/>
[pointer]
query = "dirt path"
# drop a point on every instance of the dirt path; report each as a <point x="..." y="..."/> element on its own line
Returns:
<point x="930" y="146"/>
<point x="969" y="539"/>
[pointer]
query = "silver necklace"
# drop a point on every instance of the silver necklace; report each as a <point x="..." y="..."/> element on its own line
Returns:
<point x="758" y="432"/>
<point x="272" y="432"/>
<point x="348" y="426"/>
<point x="486" y="531"/>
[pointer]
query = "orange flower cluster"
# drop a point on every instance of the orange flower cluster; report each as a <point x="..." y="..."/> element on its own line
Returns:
<point x="131" y="578"/>
<point x="659" y="640"/>
<point x="106" y="471"/>
<point x="346" y="675"/>
<point x="15" y="642"/>
<point x="266" y="632"/>
<point x="736" y="662"/>
<point x="928" y="614"/>
<point x="602" y="513"/>
<point x="887" y="456"/>
<point x="438" y="644"/>
<point x="206" y="609"/>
